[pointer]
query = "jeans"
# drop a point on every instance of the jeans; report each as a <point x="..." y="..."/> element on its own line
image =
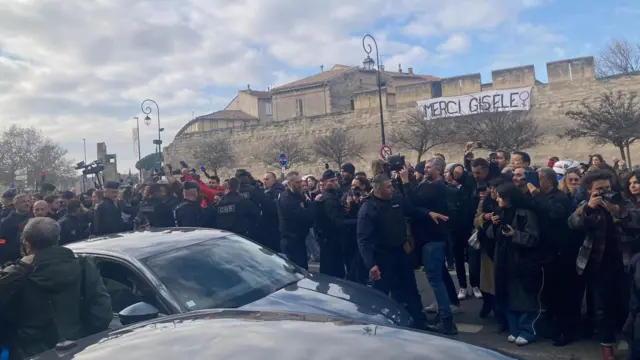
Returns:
<point x="464" y="253"/>
<point x="433" y="256"/>
<point x="522" y="324"/>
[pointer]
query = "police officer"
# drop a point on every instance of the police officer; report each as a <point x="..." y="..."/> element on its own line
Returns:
<point x="331" y="222"/>
<point x="7" y="204"/>
<point x="74" y="225"/>
<point x="250" y="191"/>
<point x="382" y="234"/>
<point x="236" y="213"/>
<point x="296" y="219"/>
<point x="157" y="210"/>
<point x="107" y="217"/>
<point x="188" y="213"/>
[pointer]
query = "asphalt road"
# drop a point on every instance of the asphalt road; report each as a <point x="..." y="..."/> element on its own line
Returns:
<point x="482" y="332"/>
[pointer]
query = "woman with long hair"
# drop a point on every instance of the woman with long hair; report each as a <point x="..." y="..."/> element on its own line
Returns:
<point x="519" y="273"/>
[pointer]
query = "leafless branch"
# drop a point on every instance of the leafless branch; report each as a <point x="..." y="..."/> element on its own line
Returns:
<point x="215" y="153"/>
<point x="338" y="146"/>
<point x="619" y="58"/>
<point x="507" y="131"/>
<point x="295" y="150"/>
<point x="421" y="135"/>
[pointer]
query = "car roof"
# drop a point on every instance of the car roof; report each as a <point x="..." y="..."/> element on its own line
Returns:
<point x="143" y="244"/>
<point x="225" y="334"/>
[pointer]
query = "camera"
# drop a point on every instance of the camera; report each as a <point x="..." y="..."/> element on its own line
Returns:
<point x="481" y="187"/>
<point x="92" y="168"/>
<point x="504" y="228"/>
<point x="612" y="197"/>
<point x="356" y="192"/>
<point x="396" y="162"/>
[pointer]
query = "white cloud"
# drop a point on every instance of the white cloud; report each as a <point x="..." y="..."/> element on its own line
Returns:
<point x="77" y="69"/>
<point x="455" y="44"/>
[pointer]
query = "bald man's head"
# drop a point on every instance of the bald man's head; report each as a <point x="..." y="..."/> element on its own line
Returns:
<point x="40" y="208"/>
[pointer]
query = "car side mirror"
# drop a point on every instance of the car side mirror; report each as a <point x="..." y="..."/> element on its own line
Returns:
<point x="138" y="312"/>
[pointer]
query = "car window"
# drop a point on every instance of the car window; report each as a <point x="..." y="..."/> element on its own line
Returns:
<point x="125" y="287"/>
<point x="225" y="272"/>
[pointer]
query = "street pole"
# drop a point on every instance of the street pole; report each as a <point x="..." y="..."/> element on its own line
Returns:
<point x="139" y="154"/>
<point x="368" y="61"/>
<point x="147" y="120"/>
<point x="84" y="177"/>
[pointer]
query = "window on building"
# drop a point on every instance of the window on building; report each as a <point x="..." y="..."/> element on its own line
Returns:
<point x="353" y="104"/>
<point x="268" y="109"/>
<point x="299" y="108"/>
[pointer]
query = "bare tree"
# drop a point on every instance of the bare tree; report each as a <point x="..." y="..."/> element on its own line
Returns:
<point x="507" y="131"/>
<point x="614" y="119"/>
<point x="620" y="57"/>
<point x="295" y="150"/>
<point x="338" y="146"/>
<point x="28" y="151"/>
<point x="215" y="153"/>
<point x="421" y="135"/>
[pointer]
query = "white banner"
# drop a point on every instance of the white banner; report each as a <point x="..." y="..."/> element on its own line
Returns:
<point x="486" y="101"/>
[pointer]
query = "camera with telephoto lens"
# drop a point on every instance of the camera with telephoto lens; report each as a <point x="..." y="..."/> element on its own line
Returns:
<point x="396" y="162"/>
<point x="612" y="197"/>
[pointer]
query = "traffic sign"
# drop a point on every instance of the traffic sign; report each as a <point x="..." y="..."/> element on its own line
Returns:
<point x="12" y="186"/>
<point x="385" y="152"/>
<point x="283" y="159"/>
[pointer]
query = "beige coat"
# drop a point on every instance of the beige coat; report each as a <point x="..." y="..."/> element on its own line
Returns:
<point x="487" y="269"/>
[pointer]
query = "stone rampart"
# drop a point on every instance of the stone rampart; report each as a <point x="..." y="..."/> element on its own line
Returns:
<point x="570" y="82"/>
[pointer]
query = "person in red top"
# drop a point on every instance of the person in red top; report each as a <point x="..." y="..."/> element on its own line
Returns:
<point x="208" y="191"/>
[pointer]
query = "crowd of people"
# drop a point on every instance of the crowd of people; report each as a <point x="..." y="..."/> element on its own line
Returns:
<point x="537" y="242"/>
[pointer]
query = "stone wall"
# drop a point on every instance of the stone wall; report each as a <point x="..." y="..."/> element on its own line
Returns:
<point x="570" y="82"/>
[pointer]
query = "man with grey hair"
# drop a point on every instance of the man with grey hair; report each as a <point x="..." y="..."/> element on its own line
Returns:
<point x="43" y="297"/>
<point x="430" y="197"/>
<point x="562" y="295"/>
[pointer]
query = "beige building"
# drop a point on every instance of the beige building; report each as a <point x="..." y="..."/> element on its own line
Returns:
<point x="332" y="91"/>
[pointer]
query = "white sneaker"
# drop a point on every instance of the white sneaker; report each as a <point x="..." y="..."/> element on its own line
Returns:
<point x="462" y="294"/>
<point x="511" y="339"/>
<point x="476" y="293"/>
<point x="520" y="341"/>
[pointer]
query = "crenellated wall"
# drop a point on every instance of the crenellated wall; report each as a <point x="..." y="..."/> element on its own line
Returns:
<point x="570" y="82"/>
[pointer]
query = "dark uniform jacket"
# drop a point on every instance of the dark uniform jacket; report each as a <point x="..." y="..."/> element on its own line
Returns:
<point x="107" y="218"/>
<point x="43" y="303"/>
<point x="237" y="214"/>
<point x="296" y="218"/>
<point x="331" y="219"/>
<point x="271" y="234"/>
<point x="6" y="211"/>
<point x="10" y="229"/>
<point x="188" y="213"/>
<point x="381" y="227"/>
<point x="157" y="213"/>
<point x="73" y="228"/>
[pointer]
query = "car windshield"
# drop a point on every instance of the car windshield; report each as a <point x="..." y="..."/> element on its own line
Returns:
<point x="227" y="272"/>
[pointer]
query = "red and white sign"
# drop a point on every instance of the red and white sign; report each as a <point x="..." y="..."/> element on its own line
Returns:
<point x="385" y="152"/>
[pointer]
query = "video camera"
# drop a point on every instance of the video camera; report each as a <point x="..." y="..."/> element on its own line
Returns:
<point x="92" y="168"/>
<point x="396" y="162"/>
<point x="612" y="197"/>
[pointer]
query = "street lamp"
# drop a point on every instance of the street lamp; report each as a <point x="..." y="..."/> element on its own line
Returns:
<point x="368" y="64"/>
<point x="138" y="140"/>
<point x="147" y="120"/>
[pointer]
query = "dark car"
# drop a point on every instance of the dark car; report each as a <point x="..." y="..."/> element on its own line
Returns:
<point x="187" y="269"/>
<point x="239" y="334"/>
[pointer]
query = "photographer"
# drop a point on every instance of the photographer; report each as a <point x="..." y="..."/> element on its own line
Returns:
<point x="599" y="258"/>
<point x="352" y="200"/>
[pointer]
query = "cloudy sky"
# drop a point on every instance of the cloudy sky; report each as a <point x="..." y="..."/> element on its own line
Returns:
<point x="80" y="68"/>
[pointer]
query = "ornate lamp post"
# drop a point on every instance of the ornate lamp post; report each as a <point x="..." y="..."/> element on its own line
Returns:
<point x="368" y="64"/>
<point x="147" y="120"/>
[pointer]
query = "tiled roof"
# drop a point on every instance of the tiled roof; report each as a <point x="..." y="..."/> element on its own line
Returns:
<point x="258" y="94"/>
<point x="219" y="115"/>
<point x="227" y="115"/>
<point x="316" y="79"/>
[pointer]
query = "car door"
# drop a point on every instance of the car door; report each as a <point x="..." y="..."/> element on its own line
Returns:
<point x="127" y="286"/>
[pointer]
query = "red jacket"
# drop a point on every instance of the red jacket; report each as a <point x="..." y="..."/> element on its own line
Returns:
<point x="208" y="194"/>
